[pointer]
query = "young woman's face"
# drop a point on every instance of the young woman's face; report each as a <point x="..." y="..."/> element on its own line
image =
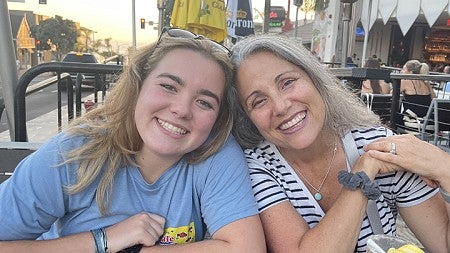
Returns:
<point x="179" y="103"/>
<point x="281" y="100"/>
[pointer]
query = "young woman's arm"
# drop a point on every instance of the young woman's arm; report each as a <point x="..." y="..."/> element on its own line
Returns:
<point x="242" y="236"/>
<point x="142" y="228"/>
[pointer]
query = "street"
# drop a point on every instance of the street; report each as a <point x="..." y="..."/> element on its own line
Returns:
<point x="41" y="102"/>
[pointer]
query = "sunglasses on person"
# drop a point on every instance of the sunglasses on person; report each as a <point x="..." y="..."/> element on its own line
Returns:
<point x="181" y="33"/>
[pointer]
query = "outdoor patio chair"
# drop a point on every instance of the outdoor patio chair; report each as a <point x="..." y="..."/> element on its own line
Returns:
<point x="439" y="116"/>
<point x="11" y="153"/>
<point x="380" y="104"/>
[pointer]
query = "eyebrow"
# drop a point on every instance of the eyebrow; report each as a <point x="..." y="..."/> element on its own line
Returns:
<point x="276" y="80"/>
<point x="180" y="82"/>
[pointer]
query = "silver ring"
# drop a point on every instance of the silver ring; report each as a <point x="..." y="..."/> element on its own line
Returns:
<point x="393" y="149"/>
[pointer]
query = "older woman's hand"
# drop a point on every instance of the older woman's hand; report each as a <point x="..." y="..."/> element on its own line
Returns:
<point x="372" y="166"/>
<point x="414" y="155"/>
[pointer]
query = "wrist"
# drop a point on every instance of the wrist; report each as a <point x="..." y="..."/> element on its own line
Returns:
<point x="100" y="240"/>
<point x="361" y="181"/>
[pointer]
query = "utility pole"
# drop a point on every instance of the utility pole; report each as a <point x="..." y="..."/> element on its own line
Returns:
<point x="266" y="16"/>
<point x="8" y="70"/>
<point x="133" y="22"/>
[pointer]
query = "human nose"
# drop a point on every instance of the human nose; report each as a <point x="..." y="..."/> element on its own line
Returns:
<point x="281" y="106"/>
<point x="182" y="108"/>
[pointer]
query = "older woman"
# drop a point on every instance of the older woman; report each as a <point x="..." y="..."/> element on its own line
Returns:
<point x="304" y="135"/>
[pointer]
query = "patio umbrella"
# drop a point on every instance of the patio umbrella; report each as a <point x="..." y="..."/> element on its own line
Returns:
<point x="179" y="14"/>
<point x="240" y="18"/>
<point x="205" y="17"/>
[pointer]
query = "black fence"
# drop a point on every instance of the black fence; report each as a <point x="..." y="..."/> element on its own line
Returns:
<point x="433" y="123"/>
<point x="64" y="81"/>
<point x="388" y="107"/>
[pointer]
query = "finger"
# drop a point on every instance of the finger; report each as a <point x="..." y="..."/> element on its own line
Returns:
<point x="385" y="157"/>
<point x="382" y="146"/>
<point x="161" y="220"/>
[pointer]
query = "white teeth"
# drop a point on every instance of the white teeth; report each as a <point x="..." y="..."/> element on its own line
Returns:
<point x="171" y="128"/>
<point x="294" y="121"/>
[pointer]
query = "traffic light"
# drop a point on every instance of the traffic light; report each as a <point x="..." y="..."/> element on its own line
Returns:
<point x="142" y="23"/>
<point x="38" y="44"/>
<point x="42" y="1"/>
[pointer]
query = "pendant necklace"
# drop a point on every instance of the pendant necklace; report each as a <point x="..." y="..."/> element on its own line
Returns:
<point x="318" y="195"/>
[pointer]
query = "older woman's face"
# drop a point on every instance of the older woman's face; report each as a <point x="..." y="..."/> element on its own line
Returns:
<point x="281" y="100"/>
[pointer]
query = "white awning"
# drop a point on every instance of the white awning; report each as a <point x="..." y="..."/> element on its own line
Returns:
<point x="404" y="11"/>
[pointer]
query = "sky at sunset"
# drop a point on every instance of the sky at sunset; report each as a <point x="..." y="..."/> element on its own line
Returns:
<point x="109" y="18"/>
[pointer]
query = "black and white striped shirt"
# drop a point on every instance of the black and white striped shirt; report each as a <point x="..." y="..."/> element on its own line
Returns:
<point x="274" y="181"/>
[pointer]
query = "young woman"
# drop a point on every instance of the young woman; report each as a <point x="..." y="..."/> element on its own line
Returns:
<point x="304" y="134"/>
<point x="153" y="167"/>
<point x="417" y="94"/>
<point x="375" y="86"/>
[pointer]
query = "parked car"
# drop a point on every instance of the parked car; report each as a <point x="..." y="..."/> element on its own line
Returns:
<point x="88" y="79"/>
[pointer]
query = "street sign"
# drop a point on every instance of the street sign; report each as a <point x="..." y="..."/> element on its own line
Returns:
<point x="275" y="24"/>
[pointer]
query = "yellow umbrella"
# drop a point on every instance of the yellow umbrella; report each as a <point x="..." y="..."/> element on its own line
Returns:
<point x="180" y="14"/>
<point x="211" y="19"/>
<point x="205" y="17"/>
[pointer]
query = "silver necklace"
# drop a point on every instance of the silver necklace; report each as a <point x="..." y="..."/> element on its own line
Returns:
<point x="318" y="195"/>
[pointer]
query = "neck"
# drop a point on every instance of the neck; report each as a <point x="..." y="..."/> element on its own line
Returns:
<point x="323" y="145"/>
<point x="152" y="166"/>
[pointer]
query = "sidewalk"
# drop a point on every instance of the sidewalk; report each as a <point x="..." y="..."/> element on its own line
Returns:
<point x="44" y="127"/>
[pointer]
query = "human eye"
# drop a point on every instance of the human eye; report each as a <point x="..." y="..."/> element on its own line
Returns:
<point x="168" y="87"/>
<point x="287" y="83"/>
<point x="258" y="102"/>
<point x="205" y="104"/>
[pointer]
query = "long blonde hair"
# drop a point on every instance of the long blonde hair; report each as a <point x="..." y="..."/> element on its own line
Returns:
<point x="112" y="136"/>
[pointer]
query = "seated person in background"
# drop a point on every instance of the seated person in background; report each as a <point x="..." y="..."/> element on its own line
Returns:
<point x="375" y="86"/>
<point x="349" y="63"/>
<point x="417" y="93"/>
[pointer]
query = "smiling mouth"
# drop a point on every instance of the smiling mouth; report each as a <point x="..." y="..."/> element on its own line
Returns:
<point x="171" y="128"/>
<point x="294" y="122"/>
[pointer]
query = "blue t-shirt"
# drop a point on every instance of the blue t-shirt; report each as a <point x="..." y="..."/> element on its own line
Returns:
<point x="193" y="198"/>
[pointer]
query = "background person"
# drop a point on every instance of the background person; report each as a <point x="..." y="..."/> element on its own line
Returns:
<point x="375" y="86"/>
<point x="298" y="126"/>
<point x="417" y="94"/>
<point x="153" y="166"/>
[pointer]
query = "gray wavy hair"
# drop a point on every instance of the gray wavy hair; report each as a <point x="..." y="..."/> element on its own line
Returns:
<point x="343" y="109"/>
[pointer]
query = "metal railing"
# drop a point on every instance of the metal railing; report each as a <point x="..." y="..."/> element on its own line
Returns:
<point x="355" y="77"/>
<point x="20" y="124"/>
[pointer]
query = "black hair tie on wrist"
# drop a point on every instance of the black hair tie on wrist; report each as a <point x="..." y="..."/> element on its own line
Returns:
<point x="359" y="180"/>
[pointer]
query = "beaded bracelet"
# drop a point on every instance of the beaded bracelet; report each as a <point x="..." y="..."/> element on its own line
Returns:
<point x="445" y="195"/>
<point x="359" y="180"/>
<point x="101" y="243"/>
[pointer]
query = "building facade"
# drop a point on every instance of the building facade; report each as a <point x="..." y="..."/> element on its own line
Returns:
<point x="393" y="30"/>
